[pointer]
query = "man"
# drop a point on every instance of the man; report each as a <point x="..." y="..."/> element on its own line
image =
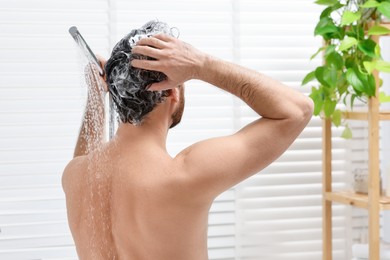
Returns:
<point x="130" y="199"/>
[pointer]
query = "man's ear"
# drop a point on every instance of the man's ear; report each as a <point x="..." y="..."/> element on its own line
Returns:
<point x="174" y="93"/>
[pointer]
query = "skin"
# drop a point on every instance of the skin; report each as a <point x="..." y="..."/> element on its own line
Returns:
<point x="130" y="199"/>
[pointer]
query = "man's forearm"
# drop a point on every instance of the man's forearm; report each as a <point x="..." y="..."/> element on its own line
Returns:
<point x="268" y="97"/>
<point x="92" y="131"/>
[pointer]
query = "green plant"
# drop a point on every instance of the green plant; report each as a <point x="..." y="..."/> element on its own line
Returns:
<point x="350" y="56"/>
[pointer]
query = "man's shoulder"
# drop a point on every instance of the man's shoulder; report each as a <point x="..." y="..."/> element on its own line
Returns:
<point x="73" y="169"/>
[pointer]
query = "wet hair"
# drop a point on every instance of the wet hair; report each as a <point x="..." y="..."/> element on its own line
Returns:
<point x="126" y="84"/>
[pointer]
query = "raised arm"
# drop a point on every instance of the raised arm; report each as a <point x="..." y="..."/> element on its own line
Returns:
<point x="217" y="164"/>
<point x="92" y="130"/>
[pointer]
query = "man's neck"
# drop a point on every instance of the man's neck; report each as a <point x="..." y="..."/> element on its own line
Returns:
<point x="155" y="134"/>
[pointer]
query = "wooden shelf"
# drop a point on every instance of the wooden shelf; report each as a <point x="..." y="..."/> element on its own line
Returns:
<point x="355" y="115"/>
<point x="356" y="199"/>
<point x="385" y="24"/>
<point x="373" y="202"/>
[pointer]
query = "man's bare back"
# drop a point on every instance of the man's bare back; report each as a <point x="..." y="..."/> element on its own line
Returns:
<point x="141" y="210"/>
<point x="131" y="200"/>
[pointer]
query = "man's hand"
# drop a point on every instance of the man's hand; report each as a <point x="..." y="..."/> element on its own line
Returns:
<point x="102" y="62"/>
<point x="176" y="59"/>
<point x="96" y="83"/>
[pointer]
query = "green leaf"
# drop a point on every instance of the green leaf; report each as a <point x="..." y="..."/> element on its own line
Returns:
<point x="353" y="96"/>
<point x="324" y="26"/>
<point x="328" y="11"/>
<point x="370" y="85"/>
<point x="327" y="76"/>
<point x="370" y="4"/>
<point x="329" y="107"/>
<point x="356" y="31"/>
<point x="342" y="84"/>
<point x="350" y="62"/>
<point x="309" y="77"/>
<point x="347" y="43"/>
<point x="331" y="77"/>
<point x="339" y="34"/>
<point x="347" y="133"/>
<point x="369" y="66"/>
<point x="354" y="80"/>
<point x="378" y="50"/>
<point x="320" y="75"/>
<point x="378" y="30"/>
<point x="326" y="2"/>
<point x="345" y="100"/>
<point x="368" y="47"/>
<point x="318" y="51"/>
<point x="350" y="17"/>
<point x="330" y="49"/>
<point x="384" y="8"/>
<point x="334" y="59"/>
<point x="336" y="117"/>
<point x="382" y="65"/>
<point x="318" y="98"/>
<point x="368" y="81"/>
<point x="383" y="98"/>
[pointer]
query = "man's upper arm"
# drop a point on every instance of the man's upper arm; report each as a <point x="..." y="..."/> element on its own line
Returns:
<point x="217" y="164"/>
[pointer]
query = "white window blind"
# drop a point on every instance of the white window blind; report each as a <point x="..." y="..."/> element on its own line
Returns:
<point x="41" y="104"/>
<point x="279" y="210"/>
<point x="273" y="215"/>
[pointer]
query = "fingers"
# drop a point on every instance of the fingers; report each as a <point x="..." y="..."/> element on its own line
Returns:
<point x="102" y="62"/>
<point x="162" y="85"/>
<point x="152" y="41"/>
<point x="151" y="47"/>
<point x="101" y="59"/>
<point x="92" y="71"/>
<point x="164" y="37"/>
<point x="147" y="51"/>
<point x="145" y="64"/>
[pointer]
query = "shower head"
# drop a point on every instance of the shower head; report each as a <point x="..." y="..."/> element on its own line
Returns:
<point x="85" y="48"/>
<point x="73" y="31"/>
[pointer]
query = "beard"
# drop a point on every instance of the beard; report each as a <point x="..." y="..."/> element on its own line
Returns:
<point x="178" y="113"/>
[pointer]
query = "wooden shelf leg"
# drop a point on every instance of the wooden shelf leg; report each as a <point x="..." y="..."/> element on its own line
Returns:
<point x="374" y="176"/>
<point x="326" y="187"/>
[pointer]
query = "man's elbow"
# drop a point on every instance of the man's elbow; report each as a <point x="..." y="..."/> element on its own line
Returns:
<point x="306" y="110"/>
<point x="299" y="116"/>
